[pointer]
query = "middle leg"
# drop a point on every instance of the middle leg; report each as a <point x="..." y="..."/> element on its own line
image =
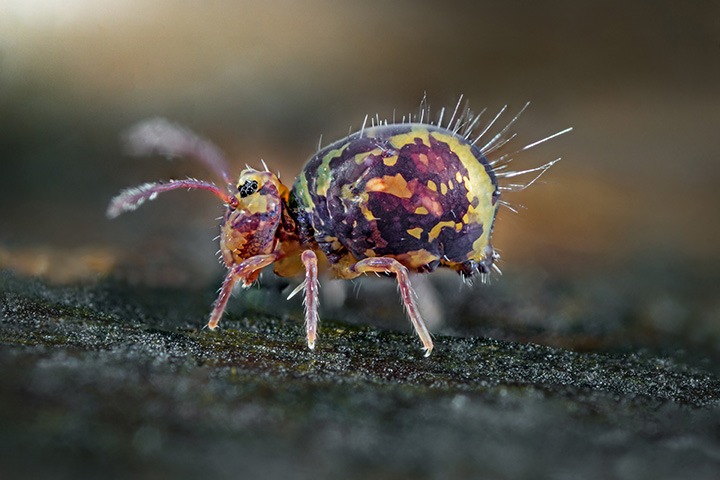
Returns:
<point x="309" y="259"/>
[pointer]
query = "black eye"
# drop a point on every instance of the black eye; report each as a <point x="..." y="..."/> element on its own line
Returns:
<point x="248" y="188"/>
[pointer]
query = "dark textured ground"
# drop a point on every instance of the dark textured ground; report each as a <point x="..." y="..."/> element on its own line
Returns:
<point x="119" y="381"/>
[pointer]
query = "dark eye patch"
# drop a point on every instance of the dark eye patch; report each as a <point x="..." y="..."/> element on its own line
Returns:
<point x="248" y="188"/>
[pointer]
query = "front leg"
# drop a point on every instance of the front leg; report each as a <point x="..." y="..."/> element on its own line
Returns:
<point x="390" y="265"/>
<point x="245" y="271"/>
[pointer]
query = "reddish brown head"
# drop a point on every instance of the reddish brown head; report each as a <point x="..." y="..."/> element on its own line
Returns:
<point x="251" y="222"/>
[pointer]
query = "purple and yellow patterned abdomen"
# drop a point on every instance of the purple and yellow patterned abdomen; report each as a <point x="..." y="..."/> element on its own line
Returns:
<point x="414" y="192"/>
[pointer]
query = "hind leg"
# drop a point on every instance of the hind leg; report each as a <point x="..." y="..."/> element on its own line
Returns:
<point x="392" y="266"/>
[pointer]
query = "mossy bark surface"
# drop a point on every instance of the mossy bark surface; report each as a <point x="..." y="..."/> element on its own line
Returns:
<point x="117" y="382"/>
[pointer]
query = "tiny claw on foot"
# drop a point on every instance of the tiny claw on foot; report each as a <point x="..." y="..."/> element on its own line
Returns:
<point x="216" y="315"/>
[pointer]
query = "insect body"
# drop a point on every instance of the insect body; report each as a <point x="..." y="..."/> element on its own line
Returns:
<point x="416" y="193"/>
<point x="393" y="198"/>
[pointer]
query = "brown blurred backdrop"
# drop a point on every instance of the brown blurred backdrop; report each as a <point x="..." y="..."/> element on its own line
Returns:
<point x="638" y="81"/>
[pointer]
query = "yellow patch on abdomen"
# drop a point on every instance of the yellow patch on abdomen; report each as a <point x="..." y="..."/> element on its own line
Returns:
<point x="415" y="232"/>
<point x="435" y="232"/>
<point x="390" y="161"/>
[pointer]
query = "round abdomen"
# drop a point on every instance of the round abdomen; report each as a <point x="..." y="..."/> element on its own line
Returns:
<point x="417" y="193"/>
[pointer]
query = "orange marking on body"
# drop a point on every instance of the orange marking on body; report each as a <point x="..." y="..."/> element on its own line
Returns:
<point x="421" y="211"/>
<point x="431" y="205"/>
<point x="395" y="185"/>
<point x="416" y="258"/>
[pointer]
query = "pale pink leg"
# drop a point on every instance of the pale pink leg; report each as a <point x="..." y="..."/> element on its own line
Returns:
<point x="241" y="271"/>
<point x="309" y="259"/>
<point x="390" y="265"/>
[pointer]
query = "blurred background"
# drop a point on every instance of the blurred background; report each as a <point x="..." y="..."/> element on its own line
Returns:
<point x="619" y="240"/>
